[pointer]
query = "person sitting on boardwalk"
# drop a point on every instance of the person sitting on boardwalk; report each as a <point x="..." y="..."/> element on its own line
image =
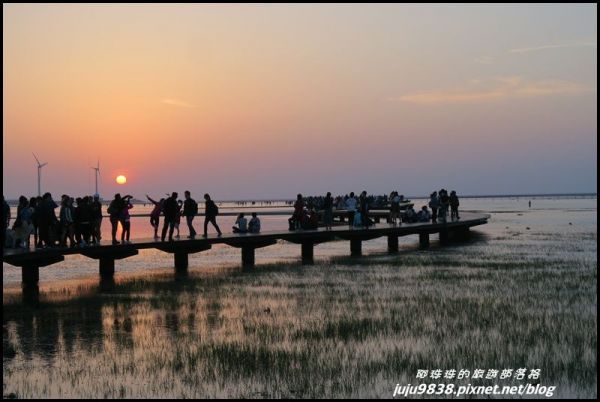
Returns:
<point x="454" y="203"/>
<point x="254" y="224"/>
<point x="423" y="215"/>
<point x="210" y="215"/>
<point x="242" y="224"/>
<point x="411" y="215"/>
<point x="296" y="219"/>
<point x="170" y="211"/>
<point x="155" y="214"/>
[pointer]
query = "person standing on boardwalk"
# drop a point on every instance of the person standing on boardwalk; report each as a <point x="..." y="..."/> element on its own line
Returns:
<point x="434" y="204"/>
<point x="296" y="219"/>
<point x="155" y="214"/>
<point x="454" y="203"/>
<point x="126" y="219"/>
<point x="6" y="219"/>
<point x="190" y="209"/>
<point x="114" y="211"/>
<point x="351" y="208"/>
<point x="170" y="211"/>
<point x="210" y="215"/>
<point x="178" y="217"/>
<point x="444" y="204"/>
<point x="328" y="211"/>
<point x="96" y="219"/>
<point x="394" y="207"/>
<point x="364" y="209"/>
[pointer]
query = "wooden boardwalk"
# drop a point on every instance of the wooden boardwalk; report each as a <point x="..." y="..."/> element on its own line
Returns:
<point x="31" y="260"/>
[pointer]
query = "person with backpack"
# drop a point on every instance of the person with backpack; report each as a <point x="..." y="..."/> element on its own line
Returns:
<point x="170" y="212"/>
<point x="210" y="215"/>
<point x="190" y="210"/>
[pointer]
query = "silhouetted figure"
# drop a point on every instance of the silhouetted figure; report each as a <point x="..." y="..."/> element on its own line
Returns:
<point x="67" y="222"/>
<point x="454" y="203"/>
<point x="190" y="210"/>
<point x="114" y="210"/>
<point x="178" y="217"/>
<point x="296" y="220"/>
<point x="210" y="215"/>
<point x="529" y="203"/>
<point x="423" y="215"/>
<point x="47" y="221"/>
<point x="125" y="219"/>
<point x="96" y="207"/>
<point x="364" y="209"/>
<point x="351" y="208"/>
<point x="242" y="224"/>
<point x="444" y="204"/>
<point x="394" y="207"/>
<point x="328" y="211"/>
<point x="254" y="224"/>
<point x="434" y="204"/>
<point x="170" y="212"/>
<point x="155" y="214"/>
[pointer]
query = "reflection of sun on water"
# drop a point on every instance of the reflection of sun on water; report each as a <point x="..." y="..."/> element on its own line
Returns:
<point x="121" y="179"/>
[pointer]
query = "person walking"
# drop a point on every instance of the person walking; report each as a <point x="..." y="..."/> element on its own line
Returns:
<point x="210" y="215"/>
<point x="190" y="210"/>
<point x="170" y="212"/>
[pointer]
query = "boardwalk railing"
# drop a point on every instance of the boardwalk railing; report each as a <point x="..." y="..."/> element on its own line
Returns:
<point x="30" y="261"/>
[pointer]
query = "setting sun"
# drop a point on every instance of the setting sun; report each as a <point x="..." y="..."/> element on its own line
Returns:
<point x="121" y="179"/>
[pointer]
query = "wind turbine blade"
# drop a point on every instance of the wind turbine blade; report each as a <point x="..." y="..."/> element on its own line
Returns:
<point x="43" y="164"/>
<point x="38" y="161"/>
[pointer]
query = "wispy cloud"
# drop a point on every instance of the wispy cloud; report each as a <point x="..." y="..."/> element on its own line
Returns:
<point x="496" y="88"/>
<point x="177" y="102"/>
<point x="484" y="60"/>
<point x="552" y="46"/>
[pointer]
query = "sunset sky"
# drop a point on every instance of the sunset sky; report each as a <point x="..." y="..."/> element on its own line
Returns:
<point x="261" y="101"/>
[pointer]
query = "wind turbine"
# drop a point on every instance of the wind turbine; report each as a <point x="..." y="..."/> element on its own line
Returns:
<point x="40" y="166"/>
<point x="97" y="173"/>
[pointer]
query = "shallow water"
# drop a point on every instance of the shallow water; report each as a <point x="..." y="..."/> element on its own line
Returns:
<point x="520" y="293"/>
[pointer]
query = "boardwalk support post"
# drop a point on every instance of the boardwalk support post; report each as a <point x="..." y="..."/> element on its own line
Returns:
<point x="181" y="262"/>
<point x="424" y="240"/>
<point x="308" y="248"/>
<point x="248" y="257"/>
<point x="392" y="243"/>
<point x="107" y="268"/>
<point x="30" y="275"/>
<point x="444" y="236"/>
<point x="356" y="247"/>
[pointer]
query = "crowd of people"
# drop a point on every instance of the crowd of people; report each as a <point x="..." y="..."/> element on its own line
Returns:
<point x="79" y="220"/>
